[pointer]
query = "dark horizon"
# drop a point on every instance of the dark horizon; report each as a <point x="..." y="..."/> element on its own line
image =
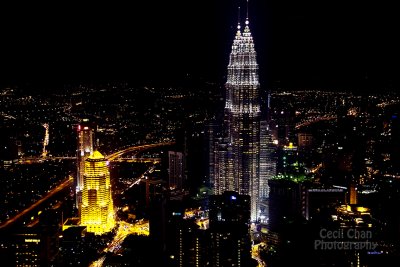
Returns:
<point x="299" y="45"/>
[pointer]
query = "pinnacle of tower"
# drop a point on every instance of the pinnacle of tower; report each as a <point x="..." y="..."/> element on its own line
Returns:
<point x="96" y="155"/>
<point x="238" y="26"/>
<point x="247" y="13"/>
<point x="238" y="35"/>
<point x="246" y="27"/>
<point x="243" y="41"/>
<point x="247" y="39"/>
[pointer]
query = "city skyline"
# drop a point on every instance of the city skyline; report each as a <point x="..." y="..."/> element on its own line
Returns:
<point x="302" y="45"/>
<point x="208" y="133"/>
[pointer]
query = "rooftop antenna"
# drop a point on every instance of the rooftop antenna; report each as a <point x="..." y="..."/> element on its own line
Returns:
<point x="238" y="26"/>
<point x="247" y="12"/>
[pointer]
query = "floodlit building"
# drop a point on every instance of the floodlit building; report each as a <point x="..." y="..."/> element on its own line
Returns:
<point x="242" y="121"/>
<point x="97" y="211"/>
<point x="267" y="159"/>
<point x="223" y="174"/>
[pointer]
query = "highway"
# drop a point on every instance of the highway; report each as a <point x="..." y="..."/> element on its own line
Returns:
<point x="34" y="222"/>
<point x="32" y="160"/>
<point x="117" y="154"/>
<point x="140" y="160"/>
<point x="64" y="184"/>
<point x="112" y="157"/>
<point x="124" y="228"/>
<point x="314" y="120"/>
<point x="69" y="181"/>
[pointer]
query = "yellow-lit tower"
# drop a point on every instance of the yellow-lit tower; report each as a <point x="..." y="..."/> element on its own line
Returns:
<point x="97" y="211"/>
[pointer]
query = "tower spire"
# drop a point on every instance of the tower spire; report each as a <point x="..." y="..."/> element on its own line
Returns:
<point x="238" y="26"/>
<point x="247" y="12"/>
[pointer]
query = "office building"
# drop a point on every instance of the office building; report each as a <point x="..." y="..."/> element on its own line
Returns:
<point x="97" y="211"/>
<point x="175" y="170"/>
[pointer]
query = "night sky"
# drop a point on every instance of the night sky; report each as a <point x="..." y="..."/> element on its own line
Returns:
<point x="300" y="44"/>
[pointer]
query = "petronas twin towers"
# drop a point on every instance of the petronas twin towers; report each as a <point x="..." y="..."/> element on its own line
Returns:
<point x="237" y="154"/>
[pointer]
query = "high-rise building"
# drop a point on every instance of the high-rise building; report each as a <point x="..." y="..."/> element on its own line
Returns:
<point x="229" y="229"/>
<point x="242" y="118"/>
<point x="85" y="148"/>
<point x="267" y="159"/>
<point x="288" y="160"/>
<point x="267" y="167"/>
<point x="175" y="169"/>
<point x="97" y="211"/>
<point x="284" y="125"/>
<point x="191" y="244"/>
<point x="36" y="245"/>
<point x="212" y="129"/>
<point x="223" y="171"/>
<point x="285" y="202"/>
<point x="28" y="248"/>
<point x="305" y="140"/>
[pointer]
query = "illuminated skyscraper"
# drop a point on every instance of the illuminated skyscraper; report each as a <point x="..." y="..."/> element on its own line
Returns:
<point x="85" y="148"/>
<point x="267" y="159"/>
<point x="175" y="169"/>
<point x="242" y="118"/>
<point x="223" y="173"/>
<point x="97" y="211"/>
<point x="267" y="166"/>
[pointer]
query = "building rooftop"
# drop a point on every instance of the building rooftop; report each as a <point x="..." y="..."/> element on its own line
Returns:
<point x="96" y="155"/>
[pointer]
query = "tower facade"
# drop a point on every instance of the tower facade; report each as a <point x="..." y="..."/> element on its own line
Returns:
<point x="175" y="169"/>
<point x="97" y="211"/>
<point x="267" y="159"/>
<point x="223" y="173"/>
<point x="85" y="148"/>
<point x="242" y="119"/>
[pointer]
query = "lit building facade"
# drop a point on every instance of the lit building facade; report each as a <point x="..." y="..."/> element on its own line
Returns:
<point x="242" y="120"/>
<point x="97" y="211"/>
<point x="175" y="169"/>
<point x="28" y="249"/>
<point x="85" y="148"/>
<point x="223" y="172"/>
<point x="267" y="159"/>
<point x="212" y="129"/>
